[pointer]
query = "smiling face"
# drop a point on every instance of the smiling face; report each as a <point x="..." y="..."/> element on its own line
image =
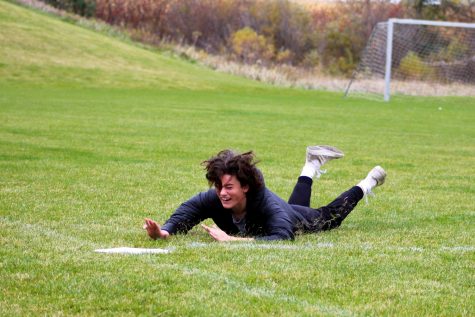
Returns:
<point x="232" y="194"/>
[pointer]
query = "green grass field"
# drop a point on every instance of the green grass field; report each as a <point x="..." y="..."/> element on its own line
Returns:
<point x="98" y="133"/>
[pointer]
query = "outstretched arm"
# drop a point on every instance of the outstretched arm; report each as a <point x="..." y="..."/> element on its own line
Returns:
<point x="154" y="231"/>
<point x="221" y="236"/>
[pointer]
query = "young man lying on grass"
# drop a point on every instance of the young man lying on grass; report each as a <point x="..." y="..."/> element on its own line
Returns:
<point x="244" y="209"/>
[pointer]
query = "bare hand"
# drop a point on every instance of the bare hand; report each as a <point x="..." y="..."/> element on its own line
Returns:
<point x="154" y="231"/>
<point x="217" y="234"/>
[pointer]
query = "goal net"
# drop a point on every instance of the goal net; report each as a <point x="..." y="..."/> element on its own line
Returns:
<point x="417" y="57"/>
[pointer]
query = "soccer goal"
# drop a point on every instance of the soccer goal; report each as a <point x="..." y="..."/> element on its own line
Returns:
<point x="417" y="57"/>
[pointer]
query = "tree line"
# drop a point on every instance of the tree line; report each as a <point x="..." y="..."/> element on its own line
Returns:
<point x="325" y="36"/>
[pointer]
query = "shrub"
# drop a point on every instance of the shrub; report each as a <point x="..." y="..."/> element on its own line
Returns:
<point x="249" y="47"/>
<point x="311" y="59"/>
<point x="85" y="8"/>
<point x="338" y="54"/>
<point x="284" y="57"/>
<point x="413" y="67"/>
<point x="454" y="51"/>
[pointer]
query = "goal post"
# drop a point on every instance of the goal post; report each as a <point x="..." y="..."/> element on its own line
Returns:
<point x="389" y="57"/>
<point x="421" y="56"/>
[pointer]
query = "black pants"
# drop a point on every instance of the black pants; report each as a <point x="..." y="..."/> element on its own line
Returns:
<point x="326" y="217"/>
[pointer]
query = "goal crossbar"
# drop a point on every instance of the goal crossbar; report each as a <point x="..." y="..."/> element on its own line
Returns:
<point x="434" y="23"/>
<point x="389" y="43"/>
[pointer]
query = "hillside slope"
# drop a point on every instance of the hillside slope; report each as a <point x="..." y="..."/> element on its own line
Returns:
<point x="40" y="49"/>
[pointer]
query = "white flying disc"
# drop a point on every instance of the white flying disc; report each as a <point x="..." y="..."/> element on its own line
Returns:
<point x="127" y="250"/>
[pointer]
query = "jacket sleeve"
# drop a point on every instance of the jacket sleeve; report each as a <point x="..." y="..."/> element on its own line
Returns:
<point x="278" y="225"/>
<point x="190" y="213"/>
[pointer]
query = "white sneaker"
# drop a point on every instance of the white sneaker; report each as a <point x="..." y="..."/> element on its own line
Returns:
<point x="378" y="174"/>
<point x="318" y="155"/>
<point x="375" y="177"/>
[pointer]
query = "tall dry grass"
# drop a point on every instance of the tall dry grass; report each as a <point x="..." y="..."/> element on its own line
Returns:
<point x="288" y="76"/>
<point x="279" y="75"/>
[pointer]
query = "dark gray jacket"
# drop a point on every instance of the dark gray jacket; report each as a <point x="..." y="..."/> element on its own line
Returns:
<point x="268" y="217"/>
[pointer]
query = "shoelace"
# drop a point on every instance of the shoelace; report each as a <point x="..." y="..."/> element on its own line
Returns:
<point x="368" y="193"/>
<point x="320" y="172"/>
<point x="322" y="161"/>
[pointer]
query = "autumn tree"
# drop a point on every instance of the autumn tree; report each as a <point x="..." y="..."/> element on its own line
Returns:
<point x="250" y="47"/>
<point x="330" y="36"/>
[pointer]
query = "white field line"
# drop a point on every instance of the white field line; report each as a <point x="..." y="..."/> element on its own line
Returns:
<point x="459" y="248"/>
<point x="37" y="231"/>
<point x="260" y="292"/>
<point x="67" y="241"/>
<point x="326" y="245"/>
<point x="214" y="277"/>
<point x="251" y="246"/>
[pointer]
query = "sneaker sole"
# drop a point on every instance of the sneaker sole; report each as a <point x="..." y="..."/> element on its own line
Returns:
<point x="325" y="150"/>
<point x="381" y="173"/>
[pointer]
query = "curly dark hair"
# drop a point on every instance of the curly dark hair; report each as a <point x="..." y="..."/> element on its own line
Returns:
<point x="229" y="162"/>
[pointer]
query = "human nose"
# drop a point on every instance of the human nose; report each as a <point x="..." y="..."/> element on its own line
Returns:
<point x="222" y="192"/>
